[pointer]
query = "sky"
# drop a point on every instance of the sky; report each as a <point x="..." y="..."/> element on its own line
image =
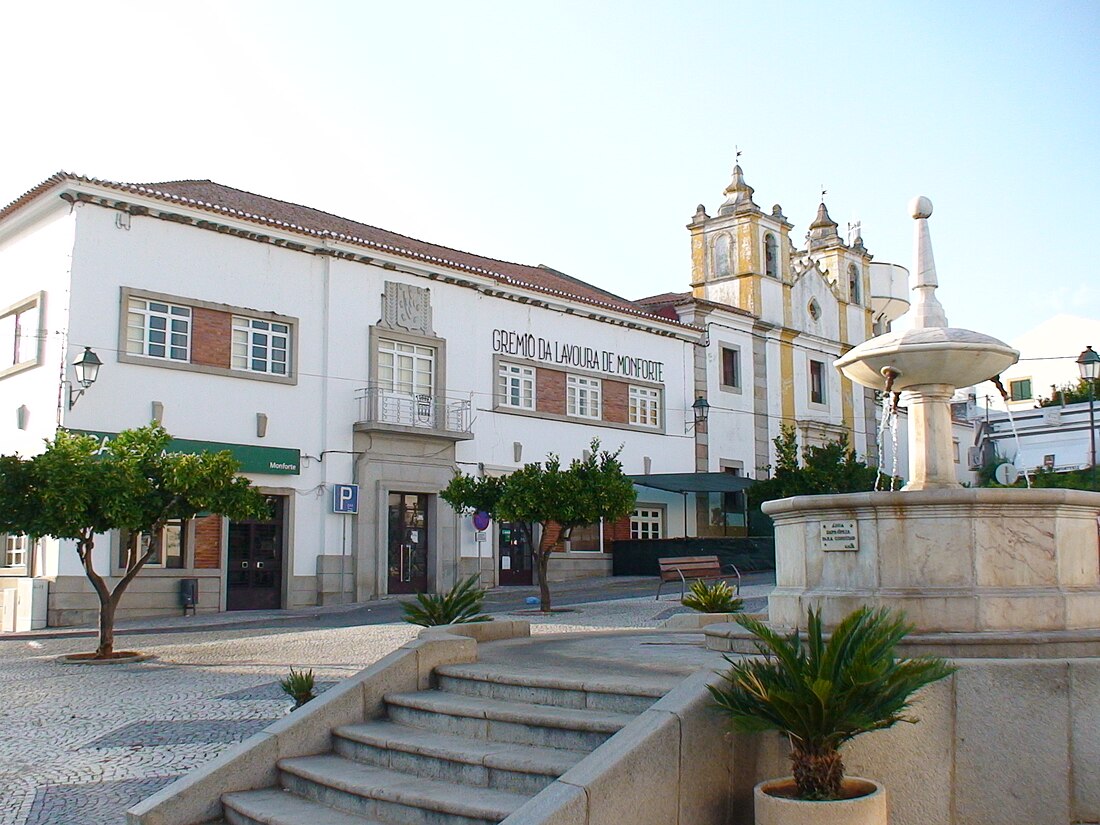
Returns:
<point x="582" y="135"/>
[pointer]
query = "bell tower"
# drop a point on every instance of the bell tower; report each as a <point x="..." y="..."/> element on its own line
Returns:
<point x="741" y="256"/>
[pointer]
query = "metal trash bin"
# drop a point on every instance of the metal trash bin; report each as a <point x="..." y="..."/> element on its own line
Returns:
<point x="189" y="595"/>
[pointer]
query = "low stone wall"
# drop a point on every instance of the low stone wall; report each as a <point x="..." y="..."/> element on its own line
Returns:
<point x="250" y="765"/>
<point x="571" y="566"/>
<point x="73" y="602"/>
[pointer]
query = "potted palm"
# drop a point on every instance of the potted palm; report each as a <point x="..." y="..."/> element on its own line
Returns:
<point x="821" y="695"/>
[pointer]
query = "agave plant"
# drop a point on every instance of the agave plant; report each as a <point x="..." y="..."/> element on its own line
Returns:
<point x="712" y="598"/>
<point x="824" y="694"/>
<point x="299" y="686"/>
<point x="460" y="604"/>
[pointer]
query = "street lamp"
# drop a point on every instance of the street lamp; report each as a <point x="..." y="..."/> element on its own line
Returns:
<point x="700" y="409"/>
<point x="1089" y="365"/>
<point x="87" y="371"/>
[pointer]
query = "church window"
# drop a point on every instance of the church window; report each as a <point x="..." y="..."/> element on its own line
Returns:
<point x="814" y="309"/>
<point x="817" y="382"/>
<point x="722" y="256"/>
<point x="853" y="284"/>
<point x="771" y="256"/>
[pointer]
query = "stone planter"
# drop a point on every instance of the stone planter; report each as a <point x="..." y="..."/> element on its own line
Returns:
<point x="867" y="809"/>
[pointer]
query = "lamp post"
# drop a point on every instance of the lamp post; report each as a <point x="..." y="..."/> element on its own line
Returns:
<point x="87" y="371"/>
<point x="1089" y="365"/>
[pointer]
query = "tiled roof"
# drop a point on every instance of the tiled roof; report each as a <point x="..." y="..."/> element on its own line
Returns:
<point x="214" y="197"/>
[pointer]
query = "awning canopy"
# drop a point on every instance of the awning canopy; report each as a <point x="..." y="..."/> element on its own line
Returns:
<point x="693" y="482"/>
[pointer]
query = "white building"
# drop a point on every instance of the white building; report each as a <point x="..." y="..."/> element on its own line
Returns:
<point x="324" y="352"/>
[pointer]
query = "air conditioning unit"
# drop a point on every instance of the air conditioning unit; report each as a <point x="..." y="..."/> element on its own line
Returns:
<point x="974" y="458"/>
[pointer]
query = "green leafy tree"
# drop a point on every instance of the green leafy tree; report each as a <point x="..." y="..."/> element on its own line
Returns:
<point x="75" y="490"/>
<point x="588" y="490"/>
<point x="833" y="468"/>
<point x="1068" y="394"/>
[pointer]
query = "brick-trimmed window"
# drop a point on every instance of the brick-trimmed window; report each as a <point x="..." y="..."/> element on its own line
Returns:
<point x="583" y="396"/>
<point x="157" y="329"/>
<point x="647" y="523"/>
<point x="516" y="386"/>
<point x="645" y="406"/>
<point x="817" y="382"/>
<point x="172" y="551"/>
<point x="260" y="346"/>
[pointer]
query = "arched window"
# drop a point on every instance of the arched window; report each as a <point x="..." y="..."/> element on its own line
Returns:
<point x="722" y="256"/>
<point x="853" y="284"/>
<point x="771" y="256"/>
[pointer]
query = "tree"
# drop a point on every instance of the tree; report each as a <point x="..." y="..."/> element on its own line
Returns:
<point x="590" y="489"/>
<point x="75" y="490"/>
<point x="832" y="468"/>
<point x="1067" y="394"/>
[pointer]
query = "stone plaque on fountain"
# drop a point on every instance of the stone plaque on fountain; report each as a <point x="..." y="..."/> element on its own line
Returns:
<point x="839" y="536"/>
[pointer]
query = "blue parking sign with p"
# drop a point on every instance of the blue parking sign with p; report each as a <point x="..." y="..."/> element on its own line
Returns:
<point x="345" y="498"/>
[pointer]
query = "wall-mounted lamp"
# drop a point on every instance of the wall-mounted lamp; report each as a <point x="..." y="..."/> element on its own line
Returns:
<point x="158" y="412"/>
<point x="517" y="452"/>
<point x="87" y="371"/>
<point x="261" y="425"/>
<point x="700" y="411"/>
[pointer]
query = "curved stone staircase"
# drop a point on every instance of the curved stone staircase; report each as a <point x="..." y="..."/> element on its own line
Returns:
<point x="469" y="752"/>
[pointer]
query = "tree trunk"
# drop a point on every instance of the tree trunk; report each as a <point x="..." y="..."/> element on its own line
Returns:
<point x="819" y="774"/>
<point x="106" y="628"/>
<point x="545" y="549"/>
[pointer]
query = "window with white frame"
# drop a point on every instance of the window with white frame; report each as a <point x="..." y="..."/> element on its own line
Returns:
<point x="169" y="553"/>
<point x="260" y="346"/>
<point x="582" y="396"/>
<point x="405" y="369"/>
<point x="645" y="406"/>
<point x="817" y="382"/>
<point x="20" y="334"/>
<point x="16" y="550"/>
<point x="647" y="523"/>
<point x="516" y="386"/>
<point x="157" y="329"/>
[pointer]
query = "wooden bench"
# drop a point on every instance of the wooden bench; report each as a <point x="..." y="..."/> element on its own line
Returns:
<point x="705" y="568"/>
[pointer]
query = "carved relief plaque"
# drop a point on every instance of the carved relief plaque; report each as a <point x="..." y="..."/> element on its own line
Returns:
<point x="407" y="307"/>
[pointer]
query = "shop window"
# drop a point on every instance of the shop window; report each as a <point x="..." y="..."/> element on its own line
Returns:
<point x="771" y="256"/>
<point x="1020" y="390"/>
<point x="585" y="538"/>
<point x="16" y="551"/>
<point x="582" y="396"/>
<point x="21" y="336"/>
<point x="170" y="550"/>
<point x="817" y="382"/>
<point x="647" y="523"/>
<point x="645" y="406"/>
<point x="731" y="368"/>
<point x="516" y="386"/>
<point x="260" y="346"/>
<point x="156" y="329"/>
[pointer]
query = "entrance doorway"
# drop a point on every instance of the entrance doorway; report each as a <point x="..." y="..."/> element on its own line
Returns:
<point x="408" y="543"/>
<point x="515" y="555"/>
<point x="254" y="575"/>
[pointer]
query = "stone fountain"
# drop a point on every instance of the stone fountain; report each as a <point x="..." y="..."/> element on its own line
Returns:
<point x="1005" y="582"/>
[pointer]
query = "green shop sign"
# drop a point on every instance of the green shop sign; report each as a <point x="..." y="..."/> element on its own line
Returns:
<point x="269" y="460"/>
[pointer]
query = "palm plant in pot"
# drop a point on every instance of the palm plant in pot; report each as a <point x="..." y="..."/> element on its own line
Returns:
<point x="822" y="694"/>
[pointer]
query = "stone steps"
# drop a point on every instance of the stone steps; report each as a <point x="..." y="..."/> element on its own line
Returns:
<point x="468" y="753"/>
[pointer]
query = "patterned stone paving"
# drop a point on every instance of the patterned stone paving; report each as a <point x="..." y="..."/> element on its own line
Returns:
<point x="97" y="802"/>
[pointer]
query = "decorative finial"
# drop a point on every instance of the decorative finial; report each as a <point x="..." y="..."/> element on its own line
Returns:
<point x="927" y="310"/>
<point x="739" y="193"/>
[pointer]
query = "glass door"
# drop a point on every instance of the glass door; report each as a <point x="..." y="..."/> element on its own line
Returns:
<point x="516" y="566"/>
<point x="408" y="543"/>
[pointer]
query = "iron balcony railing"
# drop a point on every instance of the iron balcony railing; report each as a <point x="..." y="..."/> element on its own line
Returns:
<point x="378" y="405"/>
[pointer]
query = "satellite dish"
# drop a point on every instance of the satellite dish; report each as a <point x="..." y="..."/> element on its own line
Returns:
<point x="1006" y="474"/>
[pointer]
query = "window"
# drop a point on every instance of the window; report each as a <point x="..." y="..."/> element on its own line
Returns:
<point x="21" y="335"/>
<point x="158" y="330"/>
<point x="16" y="549"/>
<point x="582" y="396"/>
<point x="169" y="554"/>
<point x="814" y="308"/>
<point x="853" y="284"/>
<point x="647" y="523"/>
<point x="406" y="369"/>
<point x="260" y="346"/>
<point x="722" y="256"/>
<point x="516" y="386"/>
<point x="731" y="367"/>
<point x="585" y="538"/>
<point x="771" y="256"/>
<point x="1020" y="390"/>
<point x="1048" y="461"/>
<point x="817" y="382"/>
<point x="645" y="406"/>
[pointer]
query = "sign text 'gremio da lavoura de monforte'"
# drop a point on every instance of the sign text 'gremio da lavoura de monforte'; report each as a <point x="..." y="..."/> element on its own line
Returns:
<point x="564" y="353"/>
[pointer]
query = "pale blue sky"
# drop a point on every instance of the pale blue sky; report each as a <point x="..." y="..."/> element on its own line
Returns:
<point x="582" y="135"/>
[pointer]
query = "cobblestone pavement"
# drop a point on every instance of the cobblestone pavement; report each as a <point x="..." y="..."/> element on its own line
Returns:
<point x="82" y="743"/>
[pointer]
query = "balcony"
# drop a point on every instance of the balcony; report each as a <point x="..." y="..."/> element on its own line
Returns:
<point x="383" y="410"/>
